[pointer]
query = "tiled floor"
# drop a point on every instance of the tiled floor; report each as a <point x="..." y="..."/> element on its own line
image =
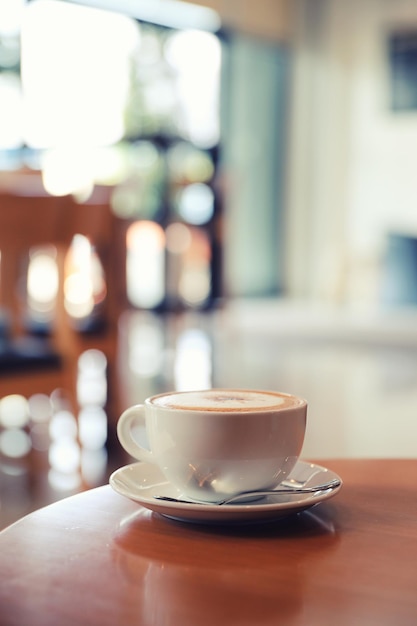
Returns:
<point x="360" y="381"/>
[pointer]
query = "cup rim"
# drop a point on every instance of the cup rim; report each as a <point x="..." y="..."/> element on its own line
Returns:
<point x="302" y="402"/>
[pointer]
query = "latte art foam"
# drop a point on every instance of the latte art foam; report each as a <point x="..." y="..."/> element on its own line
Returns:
<point x="227" y="400"/>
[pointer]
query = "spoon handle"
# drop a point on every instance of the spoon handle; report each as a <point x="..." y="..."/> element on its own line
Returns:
<point x="263" y="492"/>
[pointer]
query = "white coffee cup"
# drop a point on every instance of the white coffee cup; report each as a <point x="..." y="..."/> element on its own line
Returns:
<point x="215" y="443"/>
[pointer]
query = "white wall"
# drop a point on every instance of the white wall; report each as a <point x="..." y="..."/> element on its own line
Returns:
<point x="353" y="177"/>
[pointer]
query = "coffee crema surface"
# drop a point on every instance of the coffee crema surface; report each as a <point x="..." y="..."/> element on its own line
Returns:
<point x="221" y="400"/>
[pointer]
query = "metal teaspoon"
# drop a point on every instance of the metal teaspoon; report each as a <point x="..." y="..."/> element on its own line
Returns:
<point x="332" y="484"/>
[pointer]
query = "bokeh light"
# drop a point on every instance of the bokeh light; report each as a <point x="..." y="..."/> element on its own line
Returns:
<point x="84" y="283"/>
<point x="15" y="443"/>
<point x="64" y="456"/>
<point x="193" y="362"/>
<point x="14" y="411"/>
<point x="92" y="424"/>
<point x="42" y="283"/>
<point x="195" y="203"/>
<point x="63" y="426"/>
<point x="94" y="466"/>
<point x="187" y="163"/>
<point x="64" y="481"/>
<point x="92" y="363"/>
<point x="145" y="264"/>
<point x="196" y="58"/>
<point x="195" y="280"/>
<point x="40" y="407"/>
<point x="145" y="349"/>
<point x="178" y="238"/>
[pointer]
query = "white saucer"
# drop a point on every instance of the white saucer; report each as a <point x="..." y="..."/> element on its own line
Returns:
<point x="140" y="482"/>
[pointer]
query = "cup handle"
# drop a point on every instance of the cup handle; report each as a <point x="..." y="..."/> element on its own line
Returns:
<point x="124" y="432"/>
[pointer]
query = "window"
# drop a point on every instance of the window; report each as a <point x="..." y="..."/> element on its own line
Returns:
<point x="98" y="97"/>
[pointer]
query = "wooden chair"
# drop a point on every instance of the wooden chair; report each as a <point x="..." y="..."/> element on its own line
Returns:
<point x="31" y="218"/>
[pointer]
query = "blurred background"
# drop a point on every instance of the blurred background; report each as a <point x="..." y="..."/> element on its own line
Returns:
<point x="198" y="194"/>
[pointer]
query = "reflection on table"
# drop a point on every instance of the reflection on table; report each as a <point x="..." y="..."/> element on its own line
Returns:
<point x="361" y="390"/>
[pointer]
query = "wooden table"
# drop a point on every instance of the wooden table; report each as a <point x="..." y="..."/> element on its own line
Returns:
<point x="99" y="559"/>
